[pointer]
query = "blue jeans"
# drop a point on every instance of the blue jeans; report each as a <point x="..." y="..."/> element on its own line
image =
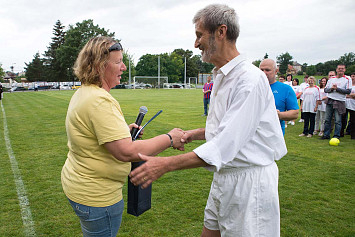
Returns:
<point x="328" y="121"/>
<point x="206" y="101"/>
<point x="99" y="221"/>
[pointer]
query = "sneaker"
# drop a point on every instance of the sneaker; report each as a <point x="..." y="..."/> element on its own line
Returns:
<point x="285" y="125"/>
<point x="301" y="121"/>
<point x="289" y="122"/>
<point x="324" y="138"/>
<point x="320" y="134"/>
<point x="309" y="135"/>
<point x="315" y="132"/>
<point x="302" y="135"/>
<point x="292" y="123"/>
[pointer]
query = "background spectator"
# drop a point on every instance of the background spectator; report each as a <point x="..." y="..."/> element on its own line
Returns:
<point x="309" y="105"/>
<point x="320" y="116"/>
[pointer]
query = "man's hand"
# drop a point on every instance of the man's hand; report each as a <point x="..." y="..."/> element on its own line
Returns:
<point x="334" y="87"/>
<point x="151" y="170"/>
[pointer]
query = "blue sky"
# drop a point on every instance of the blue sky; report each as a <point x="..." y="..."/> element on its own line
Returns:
<point x="311" y="31"/>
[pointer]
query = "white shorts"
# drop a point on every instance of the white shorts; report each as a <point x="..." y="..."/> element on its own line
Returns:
<point x="244" y="202"/>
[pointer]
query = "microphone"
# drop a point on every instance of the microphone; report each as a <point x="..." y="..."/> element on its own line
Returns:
<point x="142" y="111"/>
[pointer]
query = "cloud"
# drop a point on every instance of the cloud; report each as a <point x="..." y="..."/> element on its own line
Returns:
<point x="311" y="31"/>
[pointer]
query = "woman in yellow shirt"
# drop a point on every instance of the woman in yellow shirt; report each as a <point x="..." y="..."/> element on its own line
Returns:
<point x="99" y="141"/>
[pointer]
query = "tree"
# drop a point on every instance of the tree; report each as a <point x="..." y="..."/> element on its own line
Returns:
<point x="128" y="61"/>
<point x="191" y="64"/>
<point x="203" y="66"/>
<point x="75" y="39"/>
<point x="54" y="71"/>
<point x="147" y="65"/>
<point x="311" y="70"/>
<point x="284" y="60"/>
<point x="2" y="73"/>
<point x="256" y="63"/>
<point x="330" y="66"/>
<point x="175" y="67"/>
<point x="347" y="59"/>
<point x="171" y="65"/>
<point x="266" y="56"/>
<point x="35" y="69"/>
<point x="350" y="70"/>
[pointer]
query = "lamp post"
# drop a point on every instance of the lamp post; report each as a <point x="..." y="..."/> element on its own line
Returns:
<point x="12" y="73"/>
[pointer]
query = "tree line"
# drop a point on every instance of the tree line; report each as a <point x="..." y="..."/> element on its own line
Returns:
<point x="285" y="59"/>
<point x="57" y="61"/>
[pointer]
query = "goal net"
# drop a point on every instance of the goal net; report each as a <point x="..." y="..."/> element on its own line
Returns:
<point x="146" y="82"/>
<point x="191" y="83"/>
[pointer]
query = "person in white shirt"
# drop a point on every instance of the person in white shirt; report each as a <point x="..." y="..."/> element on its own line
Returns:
<point x="320" y="116"/>
<point x="337" y="88"/>
<point x="350" y="107"/>
<point x="303" y="86"/>
<point x="289" y="79"/>
<point x="309" y="105"/>
<point x="295" y="86"/>
<point x="243" y="137"/>
<point x="282" y="78"/>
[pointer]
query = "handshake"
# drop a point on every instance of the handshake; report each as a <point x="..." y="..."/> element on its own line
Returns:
<point x="180" y="138"/>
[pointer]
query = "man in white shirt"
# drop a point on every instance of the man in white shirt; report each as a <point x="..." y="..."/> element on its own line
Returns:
<point x="337" y="88"/>
<point x="242" y="133"/>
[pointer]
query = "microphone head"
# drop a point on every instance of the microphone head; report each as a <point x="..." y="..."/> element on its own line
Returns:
<point x="143" y="110"/>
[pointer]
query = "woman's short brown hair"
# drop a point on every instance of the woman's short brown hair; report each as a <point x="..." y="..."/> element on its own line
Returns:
<point x="92" y="60"/>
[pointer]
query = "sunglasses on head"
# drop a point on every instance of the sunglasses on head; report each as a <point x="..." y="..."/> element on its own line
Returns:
<point x="115" y="47"/>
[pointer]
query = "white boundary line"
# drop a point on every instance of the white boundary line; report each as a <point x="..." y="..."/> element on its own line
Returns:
<point x="20" y="187"/>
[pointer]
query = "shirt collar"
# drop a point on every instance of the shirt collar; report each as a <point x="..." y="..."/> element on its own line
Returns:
<point x="230" y="65"/>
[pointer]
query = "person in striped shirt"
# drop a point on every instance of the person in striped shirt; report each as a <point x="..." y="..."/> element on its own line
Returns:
<point x="207" y="88"/>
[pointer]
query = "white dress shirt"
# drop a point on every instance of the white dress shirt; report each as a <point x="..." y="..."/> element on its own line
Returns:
<point x="242" y="128"/>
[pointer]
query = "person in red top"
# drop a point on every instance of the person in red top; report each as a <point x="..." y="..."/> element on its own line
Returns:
<point x="207" y="88"/>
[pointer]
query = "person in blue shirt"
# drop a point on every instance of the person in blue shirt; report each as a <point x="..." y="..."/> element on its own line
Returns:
<point x="285" y="98"/>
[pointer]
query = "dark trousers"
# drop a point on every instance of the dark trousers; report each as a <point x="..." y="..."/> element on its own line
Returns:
<point x="352" y="124"/>
<point x="206" y="102"/>
<point x="344" y="122"/>
<point x="302" y="114"/>
<point x="309" y="121"/>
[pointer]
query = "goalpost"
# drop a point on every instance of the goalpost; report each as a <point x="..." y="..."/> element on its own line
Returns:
<point x="141" y="82"/>
<point x="192" y="84"/>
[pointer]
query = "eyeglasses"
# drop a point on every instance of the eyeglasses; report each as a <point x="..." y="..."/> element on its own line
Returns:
<point x="115" y="47"/>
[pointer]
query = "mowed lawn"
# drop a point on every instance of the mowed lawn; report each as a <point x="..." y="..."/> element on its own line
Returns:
<point x="316" y="181"/>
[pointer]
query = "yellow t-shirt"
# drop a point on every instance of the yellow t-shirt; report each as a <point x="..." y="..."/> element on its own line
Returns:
<point x="91" y="175"/>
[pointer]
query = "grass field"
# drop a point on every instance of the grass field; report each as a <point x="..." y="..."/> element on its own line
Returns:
<point x="316" y="184"/>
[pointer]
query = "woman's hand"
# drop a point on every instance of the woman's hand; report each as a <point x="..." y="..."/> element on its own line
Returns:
<point x="176" y="135"/>
<point x="133" y="125"/>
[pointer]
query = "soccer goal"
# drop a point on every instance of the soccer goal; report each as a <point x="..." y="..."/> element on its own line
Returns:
<point x="146" y="82"/>
<point x="191" y="83"/>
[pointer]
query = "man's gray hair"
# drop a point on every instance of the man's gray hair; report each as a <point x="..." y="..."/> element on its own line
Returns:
<point x="215" y="15"/>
